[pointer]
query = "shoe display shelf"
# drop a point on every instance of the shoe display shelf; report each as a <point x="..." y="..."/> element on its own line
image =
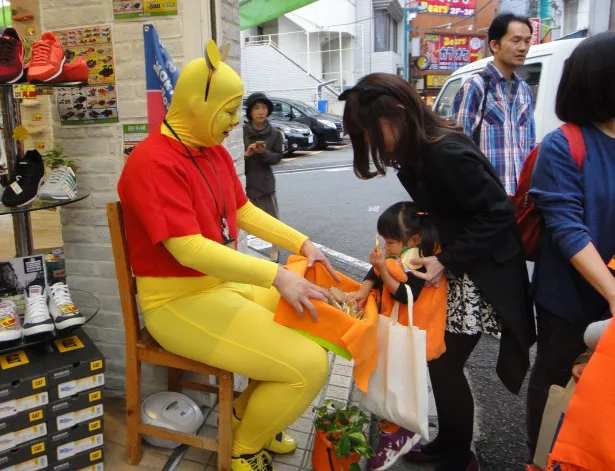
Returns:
<point x="22" y="227"/>
<point x="87" y="302"/>
<point x="88" y="305"/>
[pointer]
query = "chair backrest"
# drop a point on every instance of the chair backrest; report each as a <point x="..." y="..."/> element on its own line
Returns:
<point x="125" y="280"/>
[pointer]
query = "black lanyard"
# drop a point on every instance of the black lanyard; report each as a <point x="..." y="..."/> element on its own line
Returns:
<point x="226" y="233"/>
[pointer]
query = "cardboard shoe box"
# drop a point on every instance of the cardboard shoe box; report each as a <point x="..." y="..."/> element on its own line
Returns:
<point x="66" y="413"/>
<point x="22" y="428"/>
<point x="87" y="461"/>
<point x="80" y="438"/>
<point x="30" y="456"/>
<point x="23" y="383"/>
<point x="73" y="364"/>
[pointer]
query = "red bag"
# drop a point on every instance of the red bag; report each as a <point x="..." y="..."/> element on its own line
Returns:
<point x="527" y="214"/>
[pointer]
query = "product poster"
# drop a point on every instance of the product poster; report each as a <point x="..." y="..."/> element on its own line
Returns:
<point x="449" y="7"/>
<point x="133" y="134"/>
<point x="16" y="275"/>
<point x="124" y="9"/>
<point x="450" y="52"/>
<point x="96" y="103"/>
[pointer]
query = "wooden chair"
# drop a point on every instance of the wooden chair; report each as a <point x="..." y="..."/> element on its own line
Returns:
<point x="141" y="347"/>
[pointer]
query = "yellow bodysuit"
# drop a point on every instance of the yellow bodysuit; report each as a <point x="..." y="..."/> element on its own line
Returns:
<point x="218" y="307"/>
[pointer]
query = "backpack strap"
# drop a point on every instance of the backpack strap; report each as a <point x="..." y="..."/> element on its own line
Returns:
<point x="487" y="86"/>
<point x="574" y="136"/>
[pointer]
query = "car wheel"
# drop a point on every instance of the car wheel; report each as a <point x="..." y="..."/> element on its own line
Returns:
<point x="321" y="143"/>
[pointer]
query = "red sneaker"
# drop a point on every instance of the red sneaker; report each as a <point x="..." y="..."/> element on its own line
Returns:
<point x="11" y="56"/>
<point x="47" y="59"/>
<point x="73" y="73"/>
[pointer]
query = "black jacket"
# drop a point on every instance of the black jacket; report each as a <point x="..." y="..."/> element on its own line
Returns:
<point x="474" y="217"/>
<point x="260" y="180"/>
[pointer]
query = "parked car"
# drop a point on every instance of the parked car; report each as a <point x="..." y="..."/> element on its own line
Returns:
<point x="297" y="136"/>
<point x="542" y="71"/>
<point x="327" y="128"/>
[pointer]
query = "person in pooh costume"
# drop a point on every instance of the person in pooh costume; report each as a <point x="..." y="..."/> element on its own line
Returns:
<point x="183" y="207"/>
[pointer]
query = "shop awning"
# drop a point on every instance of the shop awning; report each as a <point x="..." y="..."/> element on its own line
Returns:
<point x="256" y="12"/>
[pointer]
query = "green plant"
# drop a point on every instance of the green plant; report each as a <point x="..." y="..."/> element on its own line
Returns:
<point x="56" y="158"/>
<point x="343" y="426"/>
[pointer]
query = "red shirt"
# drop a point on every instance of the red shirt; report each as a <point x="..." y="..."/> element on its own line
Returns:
<point x="164" y="195"/>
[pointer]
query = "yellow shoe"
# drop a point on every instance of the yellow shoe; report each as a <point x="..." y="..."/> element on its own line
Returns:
<point x="260" y="461"/>
<point x="281" y="444"/>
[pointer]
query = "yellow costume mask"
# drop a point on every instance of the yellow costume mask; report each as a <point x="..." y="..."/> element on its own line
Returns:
<point x="207" y="96"/>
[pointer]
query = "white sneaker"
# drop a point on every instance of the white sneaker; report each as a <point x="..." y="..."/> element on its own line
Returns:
<point x="63" y="310"/>
<point x="60" y="185"/>
<point x="10" y="325"/>
<point x="37" y="319"/>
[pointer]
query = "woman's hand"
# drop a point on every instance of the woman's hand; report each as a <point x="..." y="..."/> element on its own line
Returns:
<point x="434" y="270"/>
<point x="298" y="292"/>
<point x="260" y="148"/>
<point x="311" y="252"/>
<point x="250" y="150"/>
<point x="378" y="260"/>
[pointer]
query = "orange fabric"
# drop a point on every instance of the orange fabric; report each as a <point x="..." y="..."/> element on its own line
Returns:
<point x="612" y="263"/>
<point x="586" y="437"/>
<point x="429" y="311"/>
<point x="358" y="336"/>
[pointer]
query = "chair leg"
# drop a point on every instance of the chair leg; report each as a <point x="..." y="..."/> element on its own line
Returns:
<point x="174" y="375"/>
<point x="133" y="410"/>
<point x="225" y="411"/>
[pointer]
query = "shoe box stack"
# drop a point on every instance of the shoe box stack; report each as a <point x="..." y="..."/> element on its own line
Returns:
<point x="51" y="411"/>
<point x="46" y="64"/>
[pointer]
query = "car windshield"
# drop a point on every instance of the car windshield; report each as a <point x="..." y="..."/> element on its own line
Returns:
<point x="307" y="109"/>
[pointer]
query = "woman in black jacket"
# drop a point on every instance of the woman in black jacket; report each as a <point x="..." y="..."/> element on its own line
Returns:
<point x="447" y="176"/>
<point x="263" y="145"/>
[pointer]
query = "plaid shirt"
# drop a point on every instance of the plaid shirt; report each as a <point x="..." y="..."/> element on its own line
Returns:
<point x="508" y="131"/>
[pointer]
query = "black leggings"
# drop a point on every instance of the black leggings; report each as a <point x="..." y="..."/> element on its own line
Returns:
<point x="453" y="398"/>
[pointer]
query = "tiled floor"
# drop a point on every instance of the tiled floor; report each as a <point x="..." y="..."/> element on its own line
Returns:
<point x="339" y="386"/>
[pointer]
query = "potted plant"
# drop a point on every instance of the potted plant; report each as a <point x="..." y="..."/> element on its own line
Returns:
<point x="340" y="441"/>
<point x="56" y="158"/>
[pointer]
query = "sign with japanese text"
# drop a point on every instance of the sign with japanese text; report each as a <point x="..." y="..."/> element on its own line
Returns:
<point x="535" y="30"/>
<point x="449" y="7"/>
<point x="450" y="52"/>
<point x="435" y="81"/>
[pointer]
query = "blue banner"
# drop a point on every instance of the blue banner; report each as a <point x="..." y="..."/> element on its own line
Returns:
<point x="160" y="76"/>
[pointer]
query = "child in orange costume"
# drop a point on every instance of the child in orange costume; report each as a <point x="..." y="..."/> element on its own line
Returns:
<point x="408" y="234"/>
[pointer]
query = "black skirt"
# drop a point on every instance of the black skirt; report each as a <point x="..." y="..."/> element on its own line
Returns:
<point x="268" y="203"/>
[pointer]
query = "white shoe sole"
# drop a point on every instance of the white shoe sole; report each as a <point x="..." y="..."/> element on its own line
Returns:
<point x="70" y="323"/>
<point x="37" y="329"/>
<point x="35" y="196"/>
<point x="9" y="336"/>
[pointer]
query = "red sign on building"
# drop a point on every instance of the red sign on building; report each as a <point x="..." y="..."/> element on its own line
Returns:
<point x="535" y="31"/>
<point x="449" y="7"/>
<point x="450" y="52"/>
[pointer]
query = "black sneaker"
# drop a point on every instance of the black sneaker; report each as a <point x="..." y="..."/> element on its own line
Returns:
<point x="27" y="179"/>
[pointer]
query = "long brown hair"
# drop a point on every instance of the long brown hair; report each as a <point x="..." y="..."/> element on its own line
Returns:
<point x="387" y="96"/>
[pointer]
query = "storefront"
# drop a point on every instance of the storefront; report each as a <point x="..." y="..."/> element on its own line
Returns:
<point x="82" y="120"/>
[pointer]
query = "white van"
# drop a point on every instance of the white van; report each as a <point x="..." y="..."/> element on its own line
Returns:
<point x="542" y="71"/>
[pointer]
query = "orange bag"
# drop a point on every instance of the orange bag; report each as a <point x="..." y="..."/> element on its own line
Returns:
<point x="429" y="310"/>
<point x="357" y="336"/>
<point x="585" y="440"/>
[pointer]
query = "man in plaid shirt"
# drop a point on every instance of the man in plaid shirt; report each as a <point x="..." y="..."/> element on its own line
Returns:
<point x="506" y="131"/>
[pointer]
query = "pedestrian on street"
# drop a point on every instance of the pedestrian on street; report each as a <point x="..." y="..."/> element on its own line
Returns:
<point x="495" y="106"/>
<point x="448" y="177"/>
<point x="263" y="148"/>
<point x="571" y="282"/>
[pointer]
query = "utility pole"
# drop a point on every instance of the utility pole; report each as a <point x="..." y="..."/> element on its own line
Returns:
<point x="409" y="16"/>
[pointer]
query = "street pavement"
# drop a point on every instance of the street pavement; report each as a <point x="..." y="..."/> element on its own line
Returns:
<point x="319" y="195"/>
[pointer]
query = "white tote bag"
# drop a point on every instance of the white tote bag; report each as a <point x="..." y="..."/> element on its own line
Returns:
<point x="398" y="390"/>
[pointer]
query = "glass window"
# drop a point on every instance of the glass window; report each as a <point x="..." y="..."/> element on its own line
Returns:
<point x="280" y="110"/>
<point x="385" y="32"/>
<point x="444" y="105"/>
<point x="531" y="74"/>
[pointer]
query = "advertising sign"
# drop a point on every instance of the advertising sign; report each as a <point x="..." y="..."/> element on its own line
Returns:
<point x="435" y="81"/>
<point x="450" y="52"/>
<point x="535" y="30"/>
<point x="449" y="7"/>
